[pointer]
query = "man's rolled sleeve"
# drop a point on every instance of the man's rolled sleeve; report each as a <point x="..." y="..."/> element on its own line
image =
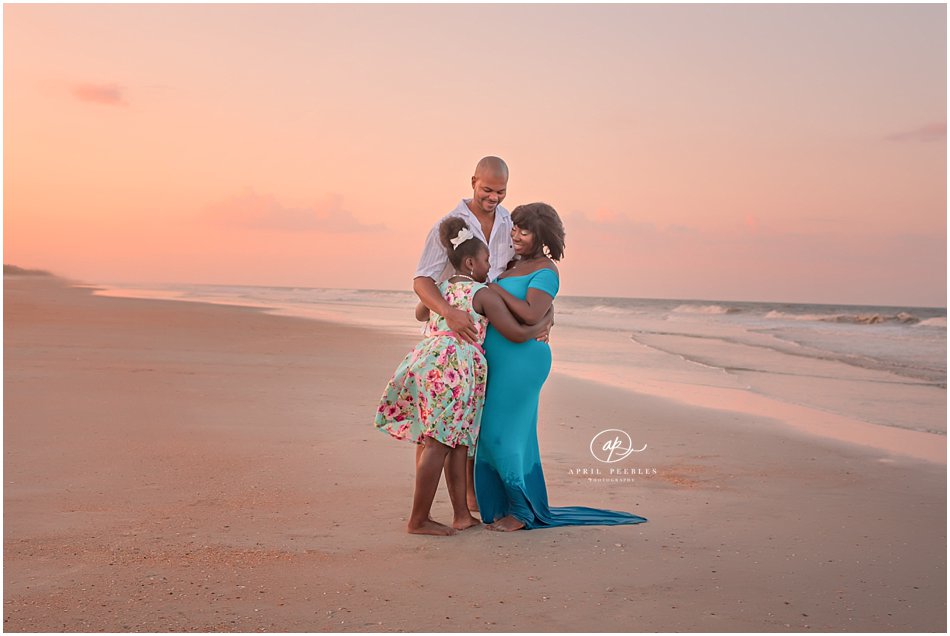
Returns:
<point x="433" y="261"/>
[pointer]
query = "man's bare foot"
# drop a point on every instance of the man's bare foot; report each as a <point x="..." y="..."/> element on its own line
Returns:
<point x="465" y="522"/>
<point x="430" y="527"/>
<point x="506" y="524"/>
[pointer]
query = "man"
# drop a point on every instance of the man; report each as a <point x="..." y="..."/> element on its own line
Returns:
<point x="486" y="218"/>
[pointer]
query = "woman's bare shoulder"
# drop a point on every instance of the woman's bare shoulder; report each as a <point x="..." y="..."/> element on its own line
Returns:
<point x="551" y="265"/>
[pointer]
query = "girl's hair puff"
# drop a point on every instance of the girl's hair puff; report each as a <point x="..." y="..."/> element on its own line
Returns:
<point x="448" y="230"/>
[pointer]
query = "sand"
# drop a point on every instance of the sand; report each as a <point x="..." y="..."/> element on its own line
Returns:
<point x="192" y="467"/>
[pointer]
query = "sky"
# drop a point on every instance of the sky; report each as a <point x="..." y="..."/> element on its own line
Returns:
<point x="784" y="153"/>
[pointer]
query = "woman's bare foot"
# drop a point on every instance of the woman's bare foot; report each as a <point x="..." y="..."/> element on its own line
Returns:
<point x="430" y="527"/>
<point x="465" y="522"/>
<point x="506" y="524"/>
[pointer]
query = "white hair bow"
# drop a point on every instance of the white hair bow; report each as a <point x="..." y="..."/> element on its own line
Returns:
<point x="463" y="235"/>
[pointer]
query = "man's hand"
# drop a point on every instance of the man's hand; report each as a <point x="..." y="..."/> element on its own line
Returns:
<point x="545" y="335"/>
<point x="461" y="323"/>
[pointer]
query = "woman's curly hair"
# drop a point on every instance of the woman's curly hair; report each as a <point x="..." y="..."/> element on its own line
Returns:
<point x="541" y="220"/>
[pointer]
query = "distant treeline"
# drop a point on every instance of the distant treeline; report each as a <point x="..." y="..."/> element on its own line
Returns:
<point x="13" y="269"/>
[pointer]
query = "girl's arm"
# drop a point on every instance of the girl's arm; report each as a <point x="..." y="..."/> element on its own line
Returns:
<point x="531" y="310"/>
<point x="422" y="312"/>
<point x="489" y="304"/>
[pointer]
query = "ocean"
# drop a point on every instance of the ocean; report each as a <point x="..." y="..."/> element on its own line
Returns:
<point x="880" y="364"/>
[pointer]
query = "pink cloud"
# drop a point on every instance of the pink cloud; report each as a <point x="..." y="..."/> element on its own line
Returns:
<point x="748" y="260"/>
<point x="930" y="132"/>
<point x="108" y="94"/>
<point x="264" y="212"/>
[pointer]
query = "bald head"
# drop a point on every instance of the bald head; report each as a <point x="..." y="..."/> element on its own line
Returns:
<point x="491" y="167"/>
<point x="489" y="186"/>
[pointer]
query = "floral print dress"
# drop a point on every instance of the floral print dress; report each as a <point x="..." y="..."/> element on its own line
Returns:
<point x="439" y="388"/>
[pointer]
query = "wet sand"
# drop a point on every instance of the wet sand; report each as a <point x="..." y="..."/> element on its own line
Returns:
<point x="192" y="467"/>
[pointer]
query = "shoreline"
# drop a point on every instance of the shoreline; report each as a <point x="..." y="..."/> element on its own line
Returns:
<point x="806" y="419"/>
<point x="184" y="466"/>
<point x="706" y="301"/>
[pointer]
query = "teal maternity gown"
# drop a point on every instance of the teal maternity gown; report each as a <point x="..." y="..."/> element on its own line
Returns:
<point x="508" y="475"/>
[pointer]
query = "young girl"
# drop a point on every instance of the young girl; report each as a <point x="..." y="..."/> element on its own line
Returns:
<point x="435" y="397"/>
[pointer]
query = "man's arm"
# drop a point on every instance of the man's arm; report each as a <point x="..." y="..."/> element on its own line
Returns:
<point x="432" y="263"/>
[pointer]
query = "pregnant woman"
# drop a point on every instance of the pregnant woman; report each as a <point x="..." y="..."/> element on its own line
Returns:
<point x="509" y="482"/>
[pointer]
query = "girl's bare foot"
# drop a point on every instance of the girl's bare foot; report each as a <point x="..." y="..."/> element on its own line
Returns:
<point x="465" y="522"/>
<point x="430" y="527"/>
<point x="506" y="524"/>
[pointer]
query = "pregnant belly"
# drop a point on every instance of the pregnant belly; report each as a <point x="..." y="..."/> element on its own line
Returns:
<point x="524" y="364"/>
